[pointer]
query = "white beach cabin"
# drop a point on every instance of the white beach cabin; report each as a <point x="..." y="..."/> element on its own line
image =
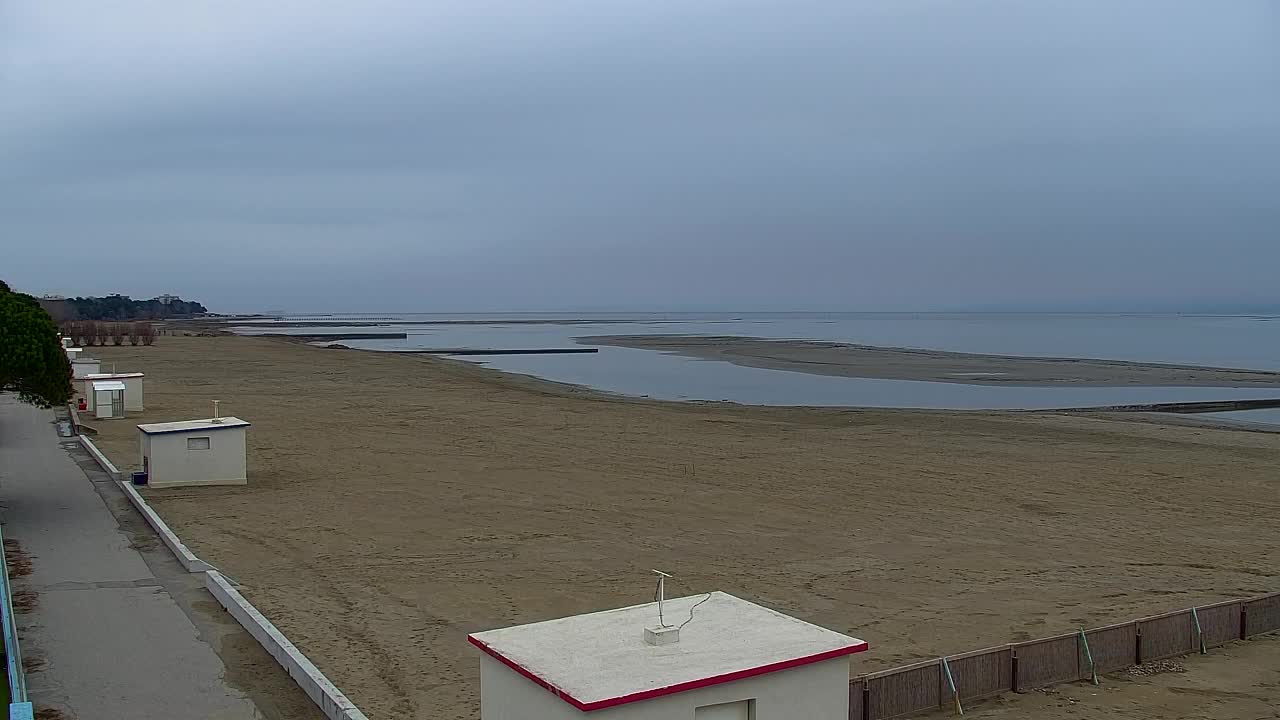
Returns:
<point x="729" y="660"/>
<point x="83" y="367"/>
<point x="108" y="399"/>
<point x="194" y="452"/>
<point x="132" y="389"/>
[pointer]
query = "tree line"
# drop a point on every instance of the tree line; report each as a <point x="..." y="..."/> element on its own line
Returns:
<point x="120" y="308"/>
<point x="91" y="332"/>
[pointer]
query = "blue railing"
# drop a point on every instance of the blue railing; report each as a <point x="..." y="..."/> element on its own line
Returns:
<point x="19" y="706"/>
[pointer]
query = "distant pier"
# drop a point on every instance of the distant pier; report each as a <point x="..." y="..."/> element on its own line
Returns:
<point x="1211" y="406"/>
<point x="322" y="337"/>
<point x="512" y="351"/>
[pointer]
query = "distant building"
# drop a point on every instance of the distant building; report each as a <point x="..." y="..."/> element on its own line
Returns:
<point x="167" y="299"/>
<point x="58" y="307"/>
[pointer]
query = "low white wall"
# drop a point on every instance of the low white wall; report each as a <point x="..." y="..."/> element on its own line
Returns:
<point x="323" y="693"/>
<point x="185" y="557"/>
<point x="102" y="460"/>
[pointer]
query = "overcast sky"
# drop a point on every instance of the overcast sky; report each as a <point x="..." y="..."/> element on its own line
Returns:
<point x="417" y="155"/>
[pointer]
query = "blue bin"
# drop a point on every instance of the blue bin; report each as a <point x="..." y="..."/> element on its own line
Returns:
<point x="139" y="478"/>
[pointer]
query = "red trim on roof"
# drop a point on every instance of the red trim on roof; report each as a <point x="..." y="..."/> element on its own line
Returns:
<point x="670" y="689"/>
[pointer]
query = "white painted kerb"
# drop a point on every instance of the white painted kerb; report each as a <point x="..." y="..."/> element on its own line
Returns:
<point x="98" y="456"/>
<point x="185" y="557"/>
<point x="323" y="693"/>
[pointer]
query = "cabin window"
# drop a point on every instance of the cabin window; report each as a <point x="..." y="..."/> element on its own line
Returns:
<point x="198" y="443"/>
<point x="741" y="710"/>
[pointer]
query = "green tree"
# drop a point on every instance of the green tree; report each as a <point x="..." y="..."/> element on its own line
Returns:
<point x="32" y="361"/>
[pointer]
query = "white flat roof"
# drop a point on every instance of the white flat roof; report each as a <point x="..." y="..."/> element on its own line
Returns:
<point x="72" y="351"/>
<point x="193" y="425"/>
<point x="107" y="385"/>
<point x="108" y="376"/>
<point x="601" y="660"/>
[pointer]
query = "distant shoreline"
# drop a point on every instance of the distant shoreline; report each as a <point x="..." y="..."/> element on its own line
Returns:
<point x="888" y="363"/>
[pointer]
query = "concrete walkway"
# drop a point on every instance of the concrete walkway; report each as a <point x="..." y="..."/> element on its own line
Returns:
<point x="107" y="637"/>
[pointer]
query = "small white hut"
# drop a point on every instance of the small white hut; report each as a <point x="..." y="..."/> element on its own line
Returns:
<point x="709" y="657"/>
<point x="132" y="389"/>
<point x="194" y="452"/>
<point x="83" y="367"/>
<point x="108" y="399"/>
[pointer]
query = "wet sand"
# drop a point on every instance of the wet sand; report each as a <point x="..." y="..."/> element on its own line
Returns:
<point x="885" y="363"/>
<point x="396" y="503"/>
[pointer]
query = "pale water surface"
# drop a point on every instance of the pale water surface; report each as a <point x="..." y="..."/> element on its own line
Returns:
<point x="1222" y="341"/>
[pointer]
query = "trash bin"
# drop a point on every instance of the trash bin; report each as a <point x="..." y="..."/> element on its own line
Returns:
<point x="140" y="477"/>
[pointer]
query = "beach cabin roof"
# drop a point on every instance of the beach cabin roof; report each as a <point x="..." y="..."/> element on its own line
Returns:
<point x="108" y="376"/>
<point x="108" y="385"/>
<point x="207" y="424"/>
<point x="600" y="660"/>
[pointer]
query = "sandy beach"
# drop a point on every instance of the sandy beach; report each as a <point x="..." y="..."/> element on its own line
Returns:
<point x="885" y="363"/>
<point x="396" y="503"/>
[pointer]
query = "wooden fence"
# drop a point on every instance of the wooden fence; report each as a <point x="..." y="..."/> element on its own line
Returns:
<point x="1081" y="655"/>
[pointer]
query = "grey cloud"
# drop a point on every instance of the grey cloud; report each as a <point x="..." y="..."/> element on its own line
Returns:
<point x="752" y="155"/>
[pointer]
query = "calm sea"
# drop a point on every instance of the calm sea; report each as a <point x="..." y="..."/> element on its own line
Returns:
<point x="1214" y="340"/>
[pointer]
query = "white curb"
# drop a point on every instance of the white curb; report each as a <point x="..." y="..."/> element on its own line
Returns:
<point x="325" y="694"/>
<point x="97" y="455"/>
<point x="185" y="557"/>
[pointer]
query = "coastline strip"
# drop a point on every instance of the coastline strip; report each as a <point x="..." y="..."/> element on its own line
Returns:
<point x="942" y="366"/>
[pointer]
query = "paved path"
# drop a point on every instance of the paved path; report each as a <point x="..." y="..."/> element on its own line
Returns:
<point x="107" y="637"/>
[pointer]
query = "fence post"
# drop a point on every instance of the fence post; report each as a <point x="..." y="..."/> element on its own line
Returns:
<point x="1093" y="669"/>
<point x="951" y="681"/>
<point x="1199" y="632"/>
<point x="1244" y="621"/>
<point x="866" y="700"/>
<point x="1014" y="670"/>
<point x="1137" y="644"/>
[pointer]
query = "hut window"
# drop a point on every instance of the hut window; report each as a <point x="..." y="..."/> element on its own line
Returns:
<point x="198" y="443"/>
<point x="742" y="710"/>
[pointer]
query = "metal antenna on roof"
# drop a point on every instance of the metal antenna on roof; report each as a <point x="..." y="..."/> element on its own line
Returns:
<point x="663" y="634"/>
<point x="216" y="417"/>
<point x="662" y="595"/>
